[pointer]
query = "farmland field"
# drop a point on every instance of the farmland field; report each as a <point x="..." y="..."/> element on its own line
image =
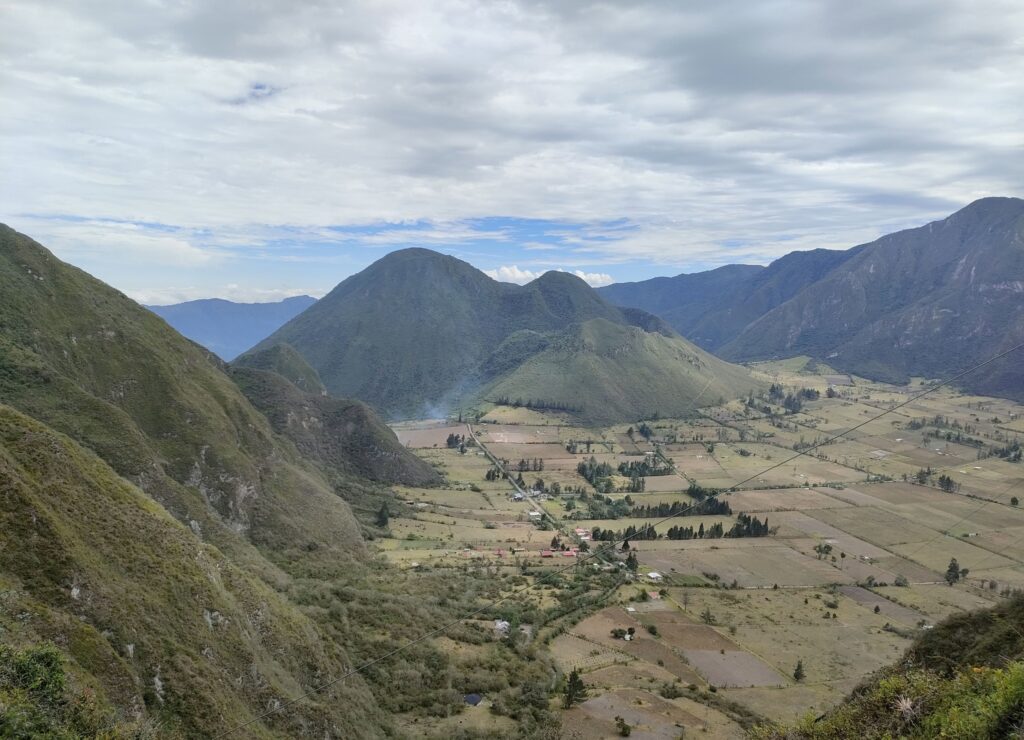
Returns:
<point x="848" y="563"/>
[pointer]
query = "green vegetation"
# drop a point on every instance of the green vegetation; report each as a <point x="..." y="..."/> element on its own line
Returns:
<point x="612" y="371"/>
<point x="418" y="330"/>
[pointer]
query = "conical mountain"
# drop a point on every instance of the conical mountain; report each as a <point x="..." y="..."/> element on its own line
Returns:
<point x="418" y="331"/>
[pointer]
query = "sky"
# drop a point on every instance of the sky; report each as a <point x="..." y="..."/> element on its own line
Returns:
<point x="255" y="149"/>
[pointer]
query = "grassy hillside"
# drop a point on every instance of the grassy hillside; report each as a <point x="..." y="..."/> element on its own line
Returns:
<point x="163" y="412"/>
<point x="963" y="679"/>
<point x="286" y="362"/>
<point x="228" y="328"/>
<point x="418" y="331"/>
<point x="193" y="567"/>
<point x="344" y="436"/>
<point x="611" y="372"/>
<point x="158" y="624"/>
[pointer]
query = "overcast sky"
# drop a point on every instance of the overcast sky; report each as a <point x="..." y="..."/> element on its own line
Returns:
<point x="252" y="149"/>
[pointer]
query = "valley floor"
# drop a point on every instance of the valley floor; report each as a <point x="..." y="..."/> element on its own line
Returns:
<point x="862" y="532"/>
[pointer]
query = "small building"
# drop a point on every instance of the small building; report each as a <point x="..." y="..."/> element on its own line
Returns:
<point x="547" y="554"/>
<point x="655" y="577"/>
<point x="502" y="626"/>
<point x="535" y="515"/>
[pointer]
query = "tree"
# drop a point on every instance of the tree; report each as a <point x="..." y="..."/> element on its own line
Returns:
<point x="1014" y="501"/>
<point x="623" y="727"/>
<point x="799" y="674"/>
<point x="575" y="690"/>
<point x="631" y="562"/>
<point x="383" y="515"/>
<point x="706" y="616"/>
<point x="953" y="572"/>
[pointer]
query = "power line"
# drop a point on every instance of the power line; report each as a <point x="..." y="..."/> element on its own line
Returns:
<point x="558" y="571"/>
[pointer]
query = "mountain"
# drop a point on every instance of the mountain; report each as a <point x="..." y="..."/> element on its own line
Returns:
<point x="685" y="299"/>
<point x="927" y="301"/>
<point x="227" y="328"/>
<point x="418" y="331"/>
<point x="152" y="622"/>
<point x="162" y="412"/>
<point x="607" y="372"/>
<point x="711" y="308"/>
<point x="160" y="532"/>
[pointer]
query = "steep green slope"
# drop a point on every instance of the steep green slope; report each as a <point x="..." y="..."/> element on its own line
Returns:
<point x="609" y="372"/>
<point x="286" y="362"/>
<point x="159" y="624"/>
<point x="343" y="435"/>
<point x="228" y="328"/>
<point x="963" y="679"/>
<point x="409" y="333"/>
<point x="161" y="411"/>
<point x="926" y="301"/>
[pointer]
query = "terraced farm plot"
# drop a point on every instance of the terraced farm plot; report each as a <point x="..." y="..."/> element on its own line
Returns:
<point x="428" y="435"/>
<point x="650" y="716"/>
<point x="661" y="483"/>
<point x="938" y="600"/>
<point x="785" y="499"/>
<point x="733" y="668"/>
<point x="761" y="566"/>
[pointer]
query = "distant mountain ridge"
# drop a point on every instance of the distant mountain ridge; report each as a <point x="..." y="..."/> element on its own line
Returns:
<point x="417" y="331"/>
<point x="227" y="328"/>
<point x="927" y="301"/>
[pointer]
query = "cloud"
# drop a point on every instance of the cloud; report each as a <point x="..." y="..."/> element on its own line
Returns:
<point x="711" y="132"/>
<point x="513" y="274"/>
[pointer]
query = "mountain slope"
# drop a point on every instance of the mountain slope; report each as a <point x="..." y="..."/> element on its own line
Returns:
<point x="711" y="308"/>
<point x="343" y="435"/>
<point x="608" y="371"/>
<point x="91" y="363"/>
<point x="684" y="300"/>
<point x="227" y="328"/>
<point x="926" y="301"/>
<point x="159" y="624"/>
<point x="413" y="332"/>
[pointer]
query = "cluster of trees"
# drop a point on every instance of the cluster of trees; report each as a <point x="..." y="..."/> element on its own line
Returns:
<point x="1010" y="453"/>
<point x="596" y="473"/>
<point x="745" y="526"/>
<point x="495" y="474"/>
<point x="456" y="441"/>
<point x="645" y="467"/>
<point x="792" y="402"/>
<point x="708" y="507"/>
<point x="749" y="526"/>
<point x="538" y="404"/>
<point x="924" y="477"/>
<point x="630" y="533"/>
<point x="955" y="573"/>
<point x="536" y="465"/>
<point x="604" y="507"/>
